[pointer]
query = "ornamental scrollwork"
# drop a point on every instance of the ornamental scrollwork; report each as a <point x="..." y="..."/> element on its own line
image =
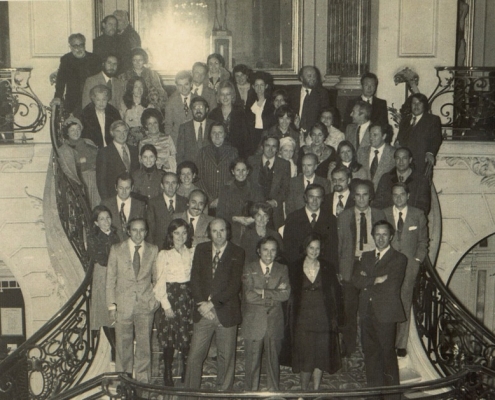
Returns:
<point x="481" y="166"/>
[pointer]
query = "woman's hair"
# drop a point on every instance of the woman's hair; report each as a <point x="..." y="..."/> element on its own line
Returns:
<point x="227" y="84"/>
<point x="71" y="121"/>
<point x="288" y="141"/>
<point x="280" y="92"/>
<point x="188" y="164"/>
<point x="335" y="115"/>
<point x="169" y="238"/>
<point x="239" y="160"/>
<point x="266" y="78"/>
<point x="152" y="112"/>
<point x="313" y="236"/>
<point x="285" y="110"/>
<point x="96" y="213"/>
<point x="138" y="51"/>
<point x="219" y="57"/>
<point x="354" y="166"/>
<point x="242" y="68"/>
<point x="128" y="96"/>
<point x="322" y="127"/>
<point x="149" y="147"/>
<point x="260" y="205"/>
<point x="100" y="89"/>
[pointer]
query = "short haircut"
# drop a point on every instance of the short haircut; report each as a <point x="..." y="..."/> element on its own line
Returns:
<point x="310" y="155"/>
<point x="100" y="89"/>
<point x="401" y="185"/>
<point x="383" y="130"/>
<point x="261" y="205"/>
<point x="123" y="13"/>
<point x="314" y="186"/>
<point x="265" y="139"/>
<point x="75" y="36"/>
<point x="124" y="176"/>
<point x="98" y="210"/>
<point x="200" y="64"/>
<point x="136" y="219"/>
<point x="68" y="123"/>
<point x="188" y="164"/>
<point x="169" y="173"/>
<point x="138" y="51"/>
<point x="183" y="75"/>
<point x="219" y="57"/>
<point x="312" y="237"/>
<point x="227" y="84"/>
<point x="242" y="68"/>
<point x="152" y="113"/>
<point x="322" y="127"/>
<point x="199" y="99"/>
<point x="105" y="58"/>
<point x="342" y="169"/>
<point x="403" y="149"/>
<point x="363" y="182"/>
<point x="383" y="222"/>
<point x="148" y="147"/>
<point x="217" y="123"/>
<point x="265" y="240"/>
<point x="228" y="227"/>
<point x="262" y="75"/>
<point x="280" y="92"/>
<point x="116" y="124"/>
<point x="301" y="71"/>
<point x="423" y="99"/>
<point x="369" y="75"/>
<point x="111" y="16"/>
<point x="239" y="160"/>
<point x="173" y="226"/>
<point x="198" y="191"/>
<point x="364" y="108"/>
<point x="285" y="109"/>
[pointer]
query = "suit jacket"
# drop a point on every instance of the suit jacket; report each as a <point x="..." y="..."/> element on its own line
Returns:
<point x="175" y="115"/>
<point x="385" y="164"/>
<point x="223" y="288"/>
<point x="264" y="316"/>
<point x="280" y="184"/>
<point x="298" y="226"/>
<point x="295" y="199"/>
<point x="318" y="99"/>
<point x="419" y="196"/>
<point x="187" y="145"/>
<point x="138" y="209"/>
<point x="424" y="137"/>
<point x="118" y="89"/>
<point x="385" y="297"/>
<point x="237" y="129"/>
<point x="109" y="166"/>
<point x="200" y="233"/>
<point x="351" y="136"/>
<point x="91" y="126"/>
<point x="132" y="294"/>
<point x="379" y="111"/>
<point x="159" y="218"/>
<point x="347" y="231"/>
<point x="328" y="202"/>
<point x="209" y="95"/>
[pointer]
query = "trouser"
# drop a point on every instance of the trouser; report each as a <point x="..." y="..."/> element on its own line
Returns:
<point x="406" y="296"/>
<point x="253" y="350"/>
<point x="349" y="330"/>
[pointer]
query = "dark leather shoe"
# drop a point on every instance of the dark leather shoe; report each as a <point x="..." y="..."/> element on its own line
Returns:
<point x="401" y="352"/>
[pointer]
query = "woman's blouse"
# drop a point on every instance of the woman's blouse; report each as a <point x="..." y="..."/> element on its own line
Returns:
<point x="243" y="92"/>
<point x="166" y="151"/>
<point x="147" y="183"/>
<point x="334" y="137"/>
<point x="132" y="116"/>
<point x="172" y="266"/>
<point x="185" y="192"/>
<point x="258" y="112"/>
<point x="99" y="244"/>
<point x="156" y="94"/>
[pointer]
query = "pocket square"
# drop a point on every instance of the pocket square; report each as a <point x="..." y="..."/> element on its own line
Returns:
<point x="413" y="228"/>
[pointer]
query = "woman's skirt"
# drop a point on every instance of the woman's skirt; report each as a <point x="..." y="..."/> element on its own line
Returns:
<point x="98" y="316"/>
<point x="176" y="332"/>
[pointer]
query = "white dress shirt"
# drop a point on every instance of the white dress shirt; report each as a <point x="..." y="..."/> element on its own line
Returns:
<point x="336" y="195"/>
<point x="379" y="155"/>
<point x="127" y="207"/>
<point x="303" y="96"/>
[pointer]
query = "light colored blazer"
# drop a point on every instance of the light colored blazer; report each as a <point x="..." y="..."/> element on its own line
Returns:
<point x="264" y="316"/>
<point x="118" y="89"/>
<point x="351" y="136"/>
<point x="132" y="294"/>
<point x="175" y="115"/>
<point x="385" y="164"/>
<point x="200" y="233"/>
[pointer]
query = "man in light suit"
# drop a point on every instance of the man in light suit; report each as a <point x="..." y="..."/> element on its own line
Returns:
<point x="354" y="230"/>
<point x="265" y="286"/>
<point x="115" y="159"/>
<point x="341" y="198"/>
<point x="108" y="78"/>
<point x="194" y="134"/>
<point x="358" y="132"/>
<point x="162" y="208"/>
<point x="178" y="107"/>
<point x="131" y="275"/>
<point x="123" y="207"/>
<point x="199" y="88"/>
<point x="377" y="158"/>
<point x="379" y="275"/>
<point x="198" y="222"/>
<point x="411" y="239"/>
<point x="216" y="277"/>
<point x="298" y="184"/>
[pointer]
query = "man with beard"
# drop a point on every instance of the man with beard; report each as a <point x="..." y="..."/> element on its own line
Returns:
<point x="198" y="222"/>
<point x="74" y="68"/>
<point x="199" y="72"/>
<point x="309" y="99"/>
<point x="341" y="198"/>
<point x="106" y="77"/>
<point x="109" y="42"/>
<point x="178" y="107"/>
<point x="193" y="135"/>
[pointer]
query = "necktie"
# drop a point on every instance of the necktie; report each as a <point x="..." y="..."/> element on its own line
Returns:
<point x="136" y="260"/>
<point x="374" y="165"/>
<point x="191" y="220"/>
<point x="267" y="166"/>
<point x="401" y="178"/>
<point x="196" y="91"/>
<point x="109" y="86"/>
<point x="171" y="207"/>
<point x="200" y="135"/>
<point x="357" y="136"/>
<point x="123" y="219"/>
<point x="377" y="258"/>
<point x="126" y="159"/>
<point x="304" y="110"/>
<point x="313" y="221"/>
<point x="369" y="101"/>
<point x="308" y="182"/>
<point x="215" y="262"/>
<point x="413" y="121"/>
<point x="267" y="272"/>
<point x="186" y="107"/>
<point x="340" y="205"/>
<point x="363" y="232"/>
<point x="400" y="224"/>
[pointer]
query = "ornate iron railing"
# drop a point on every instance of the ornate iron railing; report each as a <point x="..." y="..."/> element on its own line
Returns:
<point x="464" y="99"/>
<point x="452" y="338"/>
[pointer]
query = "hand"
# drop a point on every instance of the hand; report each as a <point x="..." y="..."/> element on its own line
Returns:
<point x="363" y="273"/>
<point x="380" y="279"/>
<point x="169" y="313"/>
<point x="430" y="162"/>
<point x="297" y="121"/>
<point x="55" y="102"/>
<point x="273" y="203"/>
<point x="113" y="316"/>
<point x="246" y="221"/>
<point x="166" y="165"/>
<point x="209" y="315"/>
<point x="214" y="203"/>
<point x="205" y="307"/>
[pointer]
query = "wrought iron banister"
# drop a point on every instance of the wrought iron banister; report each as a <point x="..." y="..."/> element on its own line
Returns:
<point x="452" y="338"/>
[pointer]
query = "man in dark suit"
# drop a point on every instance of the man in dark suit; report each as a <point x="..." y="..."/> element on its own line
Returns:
<point x="411" y="239"/>
<point x="311" y="218"/>
<point x="379" y="111"/>
<point x="109" y="42"/>
<point x="115" y="159"/>
<point x="271" y="174"/>
<point x="341" y="198"/>
<point x="418" y="186"/>
<point x="354" y="230"/>
<point x="216" y="277"/>
<point x="421" y="132"/>
<point x="265" y="286"/>
<point x="308" y="100"/>
<point x="379" y="276"/>
<point x="194" y="216"/>
<point x="162" y="208"/>
<point x="108" y="78"/>
<point x="131" y="275"/>
<point x="358" y="132"/>
<point x="178" y="107"/>
<point x="128" y="37"/>
<point x="194" y="134"/>
<point x="298" y="184"/>
<point x="123" y="207"/>
<point x="98" y="116"/>
<point x="377" y="158"/>
<point x="199" y="88"/>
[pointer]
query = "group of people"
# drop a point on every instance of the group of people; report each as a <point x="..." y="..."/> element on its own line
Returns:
<point x="230" y="204"/>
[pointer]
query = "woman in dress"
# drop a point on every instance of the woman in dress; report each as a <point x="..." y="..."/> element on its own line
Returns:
<point x="328" y="117"/>
<point x="316" y="314"/>
<point x="187" y="172"/>
<point x="148" y="178"/>
<point x="134" y="102"/>
<point x="347" y="157"/>
<point x="152" y="120"/>
<point x="216" y="70"/>
<point x="325" y="153"/>
<point x="173" y="291"/>
<point x="100" y="239"/>
<point x="241" y="83"/>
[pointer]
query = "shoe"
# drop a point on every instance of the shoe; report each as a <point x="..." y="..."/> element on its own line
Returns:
<point x="401" y="352"/>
